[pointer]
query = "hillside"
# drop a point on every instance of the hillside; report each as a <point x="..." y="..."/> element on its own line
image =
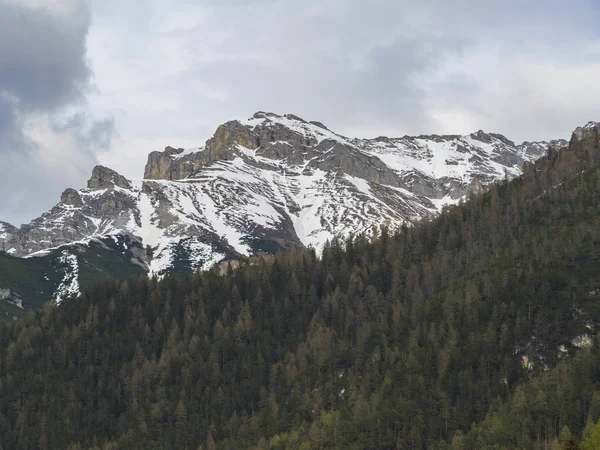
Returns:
<point x="268" y="183"/>
<point x="29" y="282"/>
<point x="402" y="342"/>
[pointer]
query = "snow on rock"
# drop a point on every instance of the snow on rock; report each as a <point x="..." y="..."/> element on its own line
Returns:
<point x="69" y="285"/>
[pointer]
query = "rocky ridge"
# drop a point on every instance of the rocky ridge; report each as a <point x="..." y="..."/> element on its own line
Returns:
<point x="266" y="183"/>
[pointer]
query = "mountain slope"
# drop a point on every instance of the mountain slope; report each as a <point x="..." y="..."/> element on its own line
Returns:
<point x="267" y="183"/>
<point x="403" y="341"/>
<point x="62" y="272"/>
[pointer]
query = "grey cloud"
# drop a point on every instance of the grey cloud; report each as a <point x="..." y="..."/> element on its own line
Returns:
<point x="43" y="56"/>
<point x="10" y="132"/>
<point x="87" y="131"/>
<point x="341" y="62"/>
<point x="44" y="79"/>
<point x="360" y="65"/>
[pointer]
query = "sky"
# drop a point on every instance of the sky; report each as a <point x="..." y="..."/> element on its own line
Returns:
<point x="108" y="81"/>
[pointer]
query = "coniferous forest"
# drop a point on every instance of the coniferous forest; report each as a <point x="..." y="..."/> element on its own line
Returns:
<point x="474" y="330"/>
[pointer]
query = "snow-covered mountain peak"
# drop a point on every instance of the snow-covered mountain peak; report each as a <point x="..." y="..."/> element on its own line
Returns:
<point x="267" y="124"/>
<point x="265" y="183"/>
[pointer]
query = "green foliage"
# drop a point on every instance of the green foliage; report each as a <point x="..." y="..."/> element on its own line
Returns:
<point x="592" y="440"/>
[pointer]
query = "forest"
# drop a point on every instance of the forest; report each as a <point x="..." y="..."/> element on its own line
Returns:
<point x="473" y="330"/>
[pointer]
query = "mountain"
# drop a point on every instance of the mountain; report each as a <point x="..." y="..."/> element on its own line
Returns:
<point x="474" y="330"/>
<point x="256" y="186"/>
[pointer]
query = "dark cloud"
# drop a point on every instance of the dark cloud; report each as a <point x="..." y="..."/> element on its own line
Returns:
<point x="87" y="132"/>
<point x="47" y="139"/>
<point x="43" y="55"/>
<point x="10" y="132"/>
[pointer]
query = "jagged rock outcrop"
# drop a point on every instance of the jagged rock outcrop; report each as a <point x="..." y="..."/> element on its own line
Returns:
<point x="71" y="197"/>
<point x="588" y="132"/>
<point x="6" y="229"/>
<point x="174" y="164"/>
<point x="166" y="166"/>
<point x="105" y="178"/>
<point x="226" y="137"/>
<point x="79" y="215"/>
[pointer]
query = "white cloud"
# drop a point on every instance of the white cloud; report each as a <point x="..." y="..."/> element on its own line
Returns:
<point x="363" y="68"/>
<point x="528" y="94"/>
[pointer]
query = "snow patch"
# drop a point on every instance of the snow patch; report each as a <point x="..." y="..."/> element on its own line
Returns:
<point x="188" y="151"/>
<point x="69" y="285"/>
<point x="149" y="232"/>
<point x="220" y="225"/>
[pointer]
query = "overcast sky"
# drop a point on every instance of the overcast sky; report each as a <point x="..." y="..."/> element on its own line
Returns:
<point x="108" y="81"/>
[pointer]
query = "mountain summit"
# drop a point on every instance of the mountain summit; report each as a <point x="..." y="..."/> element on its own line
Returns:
<point x="269" y="182"/>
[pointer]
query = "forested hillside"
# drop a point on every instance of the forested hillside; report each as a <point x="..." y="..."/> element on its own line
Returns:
<point x="473" y="330"/>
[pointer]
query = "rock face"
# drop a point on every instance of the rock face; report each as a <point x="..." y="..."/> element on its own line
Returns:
<point x="105" y="178"/>
<point x="160" y="165"/>
<point x="267" y="183"/>
<point x="177" y="164"/>
<point x="226" y="138"/>
<point x="71" y="197"/>
<point x="105" y="205"/>
<point x="589" y="131"/>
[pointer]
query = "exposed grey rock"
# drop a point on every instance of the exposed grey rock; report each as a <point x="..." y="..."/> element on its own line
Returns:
<point x="482" y="136"/>
<point x="71" y="197"/>
<point x="159" y="165"/>
<point x="79" y="215"/>
<point x="281" y="151"/>
<point x="589" y="131"/>
<point x="335" y="156"/>
<point x="7" y="228"/>
<point x="8" y="237"/>
<point x="503" y="139"/>
<point x="105" y="178"/>
<point x="226" y="137"/>
<point x="558" y="143"/>
<point x="169" y="165"/>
